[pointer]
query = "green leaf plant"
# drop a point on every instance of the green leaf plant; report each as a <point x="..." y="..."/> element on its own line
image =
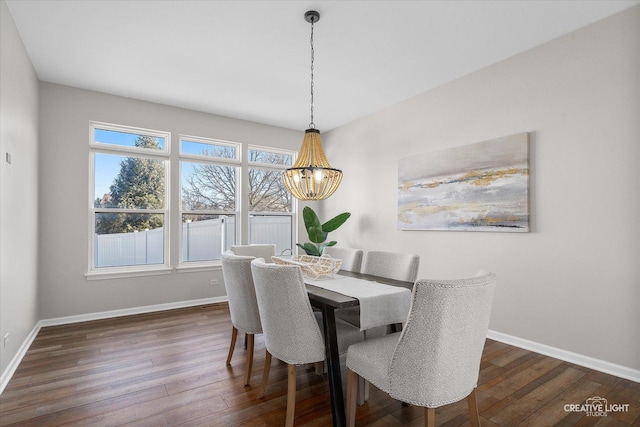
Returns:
<point x="318" y="232"/>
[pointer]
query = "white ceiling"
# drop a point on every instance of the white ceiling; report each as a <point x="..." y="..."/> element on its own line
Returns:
<point x="251" y="59"/>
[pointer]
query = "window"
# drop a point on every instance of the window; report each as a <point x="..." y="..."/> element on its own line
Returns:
<point x="209" y="177"/>
<point x="129" y="192"/>
<point x="226" y="190"/>
<point x="270" y="204"/>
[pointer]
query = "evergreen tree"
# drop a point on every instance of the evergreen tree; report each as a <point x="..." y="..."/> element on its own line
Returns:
<point x="138" y="185"/>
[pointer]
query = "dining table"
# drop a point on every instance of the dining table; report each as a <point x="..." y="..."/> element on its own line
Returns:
<point x="326" y="295"/>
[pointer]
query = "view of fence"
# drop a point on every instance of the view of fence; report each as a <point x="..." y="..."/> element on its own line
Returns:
<point x="201" y="241"/>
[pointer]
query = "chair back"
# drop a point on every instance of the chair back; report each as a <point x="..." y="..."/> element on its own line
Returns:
<point x="238" y="280"/>
<point x="265" y="251"/>
<point x="437" y="359"/>
<point x="291" y="332"/>
<point x="351" y="258"/>
<point x="392" y="265"/>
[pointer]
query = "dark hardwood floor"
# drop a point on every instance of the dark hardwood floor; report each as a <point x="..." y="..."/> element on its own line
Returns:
<point x="168" y="369"/>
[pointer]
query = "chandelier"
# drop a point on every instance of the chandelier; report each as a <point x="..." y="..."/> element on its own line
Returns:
<point x="311" y="177"/>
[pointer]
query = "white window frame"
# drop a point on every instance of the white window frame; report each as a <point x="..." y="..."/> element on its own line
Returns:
<point x="218" y="161"/>
<point x="241" y="212"/>
<point x="274" y="167"/>
<point x="164" y="155"/>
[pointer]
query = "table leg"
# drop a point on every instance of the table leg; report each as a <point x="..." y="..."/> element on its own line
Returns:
<point x="333" y="366"/>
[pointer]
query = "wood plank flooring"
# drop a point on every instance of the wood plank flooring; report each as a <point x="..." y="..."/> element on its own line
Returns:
<point x="168" y="369"/>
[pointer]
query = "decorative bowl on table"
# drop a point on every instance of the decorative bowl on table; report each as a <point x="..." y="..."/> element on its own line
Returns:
<point x="312" y="267"/>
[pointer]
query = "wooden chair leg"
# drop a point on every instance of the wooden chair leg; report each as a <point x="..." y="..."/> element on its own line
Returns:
<point x="265" y="374"/>
<point x="291" y="396"/>
<point x="352" y="391"/>
<point x="234" y="336"/>
<point x="429" y="417"/>
<point x="247" y="374"/>
<point x="472" y="401"/>
<point x="319" y="368"/>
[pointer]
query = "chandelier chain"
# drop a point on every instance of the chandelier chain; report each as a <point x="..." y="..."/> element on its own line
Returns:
<point x="311" y="124"/>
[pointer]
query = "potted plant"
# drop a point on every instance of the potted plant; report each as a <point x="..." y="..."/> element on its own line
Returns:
<point x="318" y="232"/>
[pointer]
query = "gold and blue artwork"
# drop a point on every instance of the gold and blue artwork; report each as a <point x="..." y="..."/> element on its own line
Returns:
<point x="477" y="187"/>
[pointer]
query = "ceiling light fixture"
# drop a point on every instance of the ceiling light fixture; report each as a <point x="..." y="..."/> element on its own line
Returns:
<point x="312" y="177"/>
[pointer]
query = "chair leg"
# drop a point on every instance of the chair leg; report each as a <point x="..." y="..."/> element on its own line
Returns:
<point x="472" y="401"/>
<point x="265" y="374"/>
<point x="429" y="417"/>
<point x="352" y="391"/>
<point x="291" y="395"/>
<point x="363" y="391"/>
<point x="234" y="336"/>
<point x="250" y="342"/>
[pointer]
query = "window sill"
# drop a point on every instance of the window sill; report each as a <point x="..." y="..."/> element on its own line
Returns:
<point x="197" y="267"/>
<point x="104" y="275"/>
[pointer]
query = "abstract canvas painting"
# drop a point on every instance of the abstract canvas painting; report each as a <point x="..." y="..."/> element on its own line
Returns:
<point x="479" y="187"/>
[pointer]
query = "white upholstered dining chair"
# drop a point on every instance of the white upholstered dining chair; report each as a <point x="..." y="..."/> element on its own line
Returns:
<point x="258" y="250"/>
<point x="291" y="330"/>
<point x="243" y="307"/>
<point x="392" y="265"/>
<point x="351" y="258"/>
<point x="435" y="360"/>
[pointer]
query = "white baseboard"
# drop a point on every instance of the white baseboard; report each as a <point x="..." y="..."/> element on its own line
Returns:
<point x="568" y="356"/>
<point x="129" y="311"/>
<point x="15" y="362"/>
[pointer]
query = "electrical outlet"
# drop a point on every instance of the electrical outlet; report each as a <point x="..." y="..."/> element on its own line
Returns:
<point x="214" y="282"/>
<point x="5" y="340"/>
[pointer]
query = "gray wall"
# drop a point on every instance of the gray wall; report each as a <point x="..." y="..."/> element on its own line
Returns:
<point x="64" y="198"/>
<point x="18" y="191"/>
<point x="573" y="282"/>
